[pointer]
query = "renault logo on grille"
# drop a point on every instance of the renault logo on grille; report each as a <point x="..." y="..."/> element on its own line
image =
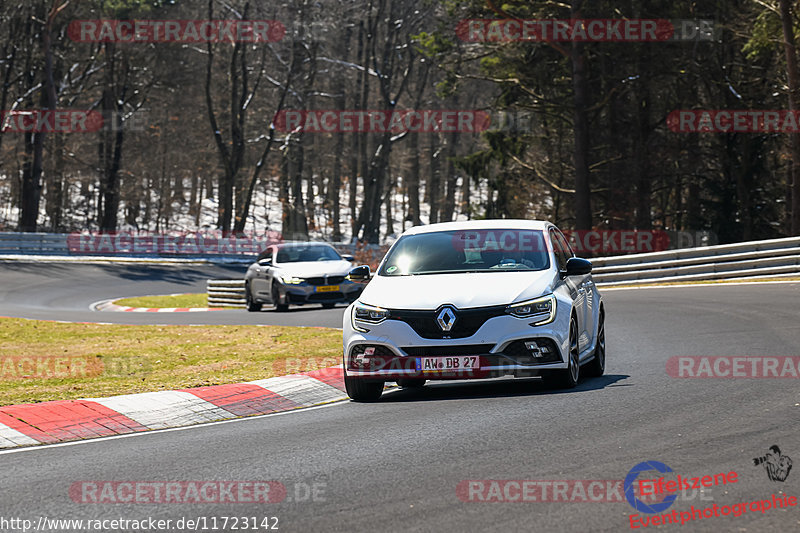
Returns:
<point x="446" y="319"/>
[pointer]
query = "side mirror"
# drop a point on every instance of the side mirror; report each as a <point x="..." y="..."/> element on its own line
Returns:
<point x="359" y="274"/>
<point x="265" y="262"/>
<point x="577" y="266"/>
<point x="348" y="257"/>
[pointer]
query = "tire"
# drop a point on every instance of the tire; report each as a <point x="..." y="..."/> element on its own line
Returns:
<point x="411" y="383"/>
<point x="568" y="378"/>
<point x="597" y="366"/>
<point x="279" y="307"/>
<point x="361" y="390"/>
<point x="328" y="305"/>
<point x="252" y="306"/>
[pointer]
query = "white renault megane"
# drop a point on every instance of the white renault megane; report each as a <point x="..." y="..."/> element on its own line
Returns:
<point x="474" y="300"/>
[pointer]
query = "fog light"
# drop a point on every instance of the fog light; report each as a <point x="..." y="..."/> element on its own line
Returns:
<point x="369" y="350"/>
<point x="532" y="347"/>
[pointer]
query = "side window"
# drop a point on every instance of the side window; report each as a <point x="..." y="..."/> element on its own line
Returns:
<point x="564" y="244"/>
<point x="266" y="254"/>
<point x="562" y="254"/>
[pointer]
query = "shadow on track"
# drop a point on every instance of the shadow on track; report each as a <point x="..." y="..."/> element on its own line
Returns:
<point x="442" y="390"/>
<point x="299" y="309"/>
<point x="179" y="276"/>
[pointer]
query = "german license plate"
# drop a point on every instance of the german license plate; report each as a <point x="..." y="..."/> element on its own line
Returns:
<point x="444" y="364"/>
<point x="327" y="288"/>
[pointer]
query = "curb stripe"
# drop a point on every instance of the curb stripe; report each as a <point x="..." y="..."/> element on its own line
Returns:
<point x="10" y="438"/>
<point x="243" y="399"/>
<point x="110" y="306"/>
<point x="69" y="420"/>
<point x="333" y="376"/>
<point x="301" y="389"/>
<point x="164" y="409"/>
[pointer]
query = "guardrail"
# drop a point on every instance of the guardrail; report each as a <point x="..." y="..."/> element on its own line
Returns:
<point x="774" y="257"/>
<point x="226" y="292"/>
<point x="33" y="243"/>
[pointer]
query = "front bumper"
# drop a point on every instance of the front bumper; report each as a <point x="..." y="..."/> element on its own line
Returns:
<point x="394" y="349"/>
<point x="305" y="293"/>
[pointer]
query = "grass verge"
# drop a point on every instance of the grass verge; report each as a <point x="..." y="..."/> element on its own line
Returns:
<point x="43" y="361"/>
<point x="167" y="300"/>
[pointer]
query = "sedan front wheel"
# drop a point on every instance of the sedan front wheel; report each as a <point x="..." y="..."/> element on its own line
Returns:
<point x="252" y="306"/>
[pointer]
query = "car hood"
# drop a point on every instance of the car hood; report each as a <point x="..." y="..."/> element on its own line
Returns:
<point x="462" y="290"/>
<point x="313" y="269"/>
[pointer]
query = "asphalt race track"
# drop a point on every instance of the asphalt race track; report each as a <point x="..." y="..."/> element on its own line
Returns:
<point x="396" y="465"/>
<point x="54" y="291"/>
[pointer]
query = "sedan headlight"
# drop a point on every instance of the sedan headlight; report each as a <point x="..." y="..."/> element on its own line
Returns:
<point x="542" y="310"/>
<point x="289" y="280"/>
<point x="367" y="314"/>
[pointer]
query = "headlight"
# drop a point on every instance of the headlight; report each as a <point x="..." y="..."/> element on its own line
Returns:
<point x="289" y="280"/>
<point x="542" y="310"/>
<point x="367" y="314"/>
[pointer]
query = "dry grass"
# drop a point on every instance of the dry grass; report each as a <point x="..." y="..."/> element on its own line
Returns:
<point x="42" y="361"/>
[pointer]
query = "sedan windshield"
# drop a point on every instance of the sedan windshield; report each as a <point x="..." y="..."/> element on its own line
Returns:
<point x="298" y="254"/>
<point x="500" y="250"/>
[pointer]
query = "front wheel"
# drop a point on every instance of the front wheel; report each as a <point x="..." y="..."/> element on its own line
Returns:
<point x="361" y="390"/>
<point x="597" y="366"/>
<point x="276" y="299"/>
<point x="252" y="306"/>
<point x="568" y="379"/>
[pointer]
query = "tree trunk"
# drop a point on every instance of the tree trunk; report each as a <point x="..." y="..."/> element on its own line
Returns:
<point x="794" y="96"/>
<point x="580" y="86"/>
<point x="433" y="188"/>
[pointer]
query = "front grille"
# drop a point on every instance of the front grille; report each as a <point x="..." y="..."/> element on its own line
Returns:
<point x="455" y="350"/>
<point x="468" y="321"/>
<point x="321" y="280"/>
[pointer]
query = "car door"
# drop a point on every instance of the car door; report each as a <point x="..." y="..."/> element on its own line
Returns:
<point x="573" y="284"/>
<point x="260" y="282"/>
<point x="584" y="285"/>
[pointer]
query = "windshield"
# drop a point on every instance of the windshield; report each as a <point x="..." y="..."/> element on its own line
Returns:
<point x="499" y="250"/>
<point x="313" y="252"/>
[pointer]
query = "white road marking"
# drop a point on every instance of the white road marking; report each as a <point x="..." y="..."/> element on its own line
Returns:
<point x="164" y="409"/>
<point x="10" y="438"/>
<point x="302" y="390"/>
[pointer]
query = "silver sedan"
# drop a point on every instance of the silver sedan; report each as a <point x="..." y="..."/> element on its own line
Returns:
<point x="300" y="273"/>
